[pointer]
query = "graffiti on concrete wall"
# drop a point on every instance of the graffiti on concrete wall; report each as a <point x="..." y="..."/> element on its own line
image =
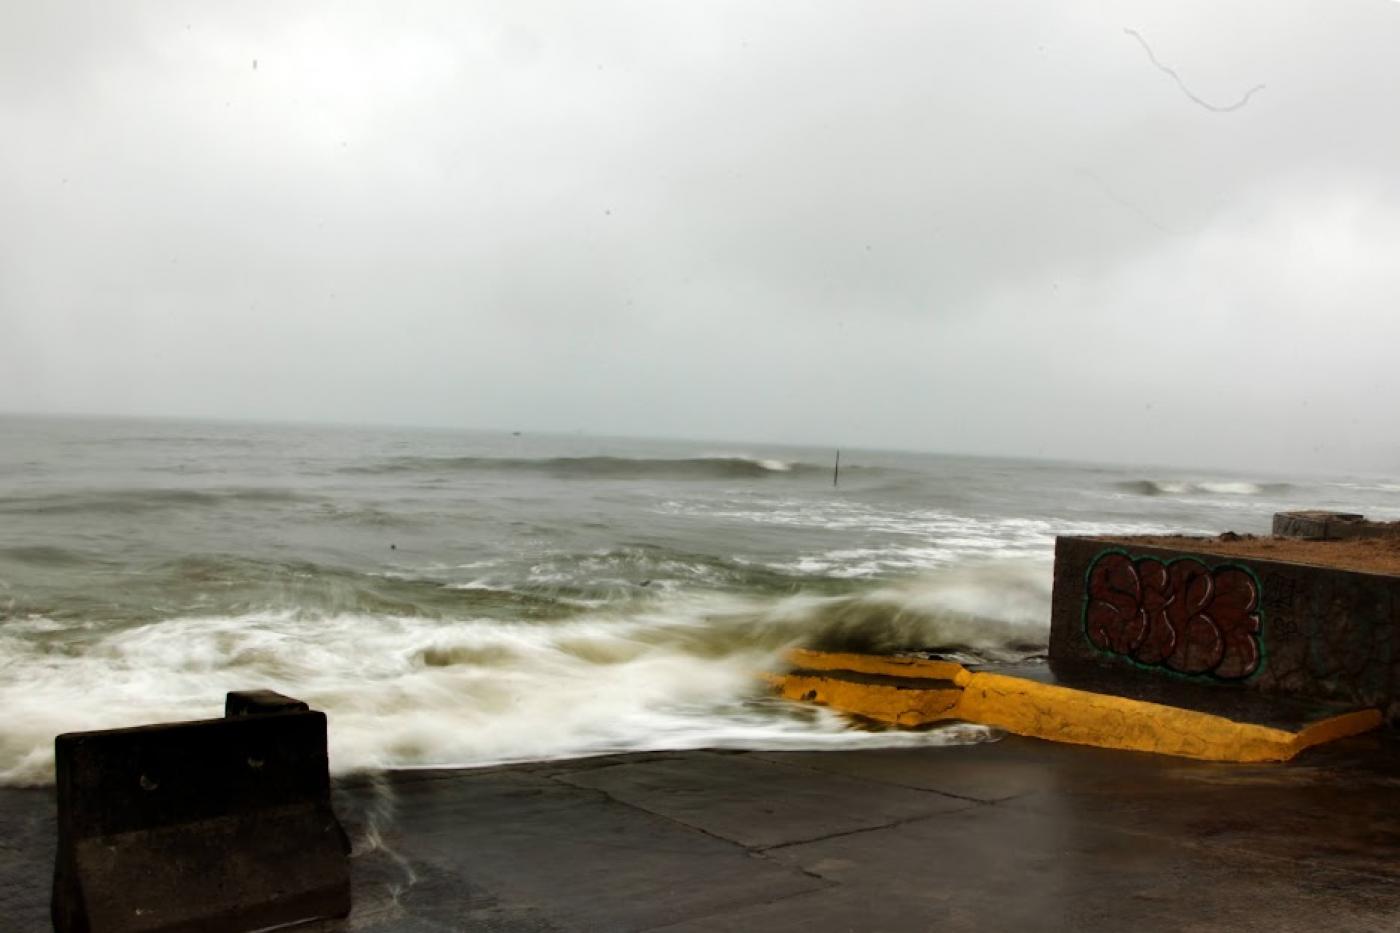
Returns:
<point x="1179" y="614"/>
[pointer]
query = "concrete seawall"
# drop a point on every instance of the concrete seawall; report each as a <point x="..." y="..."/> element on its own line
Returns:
<point x="1281" y="628"/>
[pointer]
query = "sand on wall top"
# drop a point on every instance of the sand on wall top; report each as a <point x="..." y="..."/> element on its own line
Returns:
<point x="1369" y="555"/>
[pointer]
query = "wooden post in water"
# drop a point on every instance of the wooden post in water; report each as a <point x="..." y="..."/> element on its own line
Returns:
<point x="836" y="470"/>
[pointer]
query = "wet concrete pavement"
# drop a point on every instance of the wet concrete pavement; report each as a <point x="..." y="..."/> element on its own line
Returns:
<point x="1015" y="835"/>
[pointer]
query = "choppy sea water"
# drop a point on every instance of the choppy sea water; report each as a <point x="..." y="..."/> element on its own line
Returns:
<point x="454" y="598"/>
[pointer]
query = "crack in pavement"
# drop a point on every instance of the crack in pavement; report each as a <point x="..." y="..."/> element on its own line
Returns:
<point x="894" y="824"/>
<point x="889" y="783"/>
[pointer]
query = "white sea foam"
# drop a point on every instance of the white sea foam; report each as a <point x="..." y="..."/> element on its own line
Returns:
<point x="1368" y="487"/>
<point x="1232" y="489"/>
<point x="406" y="692"/>
<point x="1191" y="488"/>
<point x="913" y="539"/>
<point x="771" y="464"/>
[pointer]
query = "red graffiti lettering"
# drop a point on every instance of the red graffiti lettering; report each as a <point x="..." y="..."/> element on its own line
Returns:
<point x="1181" y="615"/>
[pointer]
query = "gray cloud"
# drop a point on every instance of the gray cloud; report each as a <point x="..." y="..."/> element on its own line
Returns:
<point x="965" y="226"/>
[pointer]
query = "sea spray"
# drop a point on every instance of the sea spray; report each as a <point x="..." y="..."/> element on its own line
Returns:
<point x="672" y="671"/>
<point x="378" y="814"/>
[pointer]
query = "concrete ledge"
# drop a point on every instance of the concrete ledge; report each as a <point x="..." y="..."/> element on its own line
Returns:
<point x="1065" y="714"/>
<point x="922" y="693"/>
<point x="215" y="825"/>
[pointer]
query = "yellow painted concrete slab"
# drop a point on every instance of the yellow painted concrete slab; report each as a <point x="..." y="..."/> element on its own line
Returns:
<point x="882" y="702"/>
<point x="916" y="692"/>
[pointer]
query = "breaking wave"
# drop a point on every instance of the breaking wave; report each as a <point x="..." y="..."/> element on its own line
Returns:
<point x="40" y="555"/>
<point x="136" y="501"/>
<point x="694" y="468"/>
<point x="405" y="689"/>
<point x="1151" y="487"/>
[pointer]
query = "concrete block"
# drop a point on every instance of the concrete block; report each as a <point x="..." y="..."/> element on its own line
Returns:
<point x="217" y="826"/>
<point x="260" y="702"/>
<point x="1240" y="622"/>
<point x="1319" y="525"/>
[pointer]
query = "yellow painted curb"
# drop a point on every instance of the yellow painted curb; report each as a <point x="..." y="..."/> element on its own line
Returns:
<point x="1338" y="727"/>
<point x="1046" y="711"/>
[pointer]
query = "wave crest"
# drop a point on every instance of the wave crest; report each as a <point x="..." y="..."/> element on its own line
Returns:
<point x="606" y="467"/>
<point x="1153" y="487"/>
<point x="136" y="501"/>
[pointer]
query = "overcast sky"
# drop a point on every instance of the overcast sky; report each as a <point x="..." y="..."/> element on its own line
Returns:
<point x="997" y="227"/>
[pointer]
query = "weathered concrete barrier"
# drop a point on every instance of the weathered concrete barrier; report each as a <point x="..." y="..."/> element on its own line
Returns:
<point x="258" y="702"/>
<point x="215" y="825"/>
<point x="1331" y="526"/>
<point x="1246" y="622"/>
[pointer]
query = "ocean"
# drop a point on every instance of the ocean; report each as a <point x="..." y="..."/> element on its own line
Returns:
<point x="467" y="598"/>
